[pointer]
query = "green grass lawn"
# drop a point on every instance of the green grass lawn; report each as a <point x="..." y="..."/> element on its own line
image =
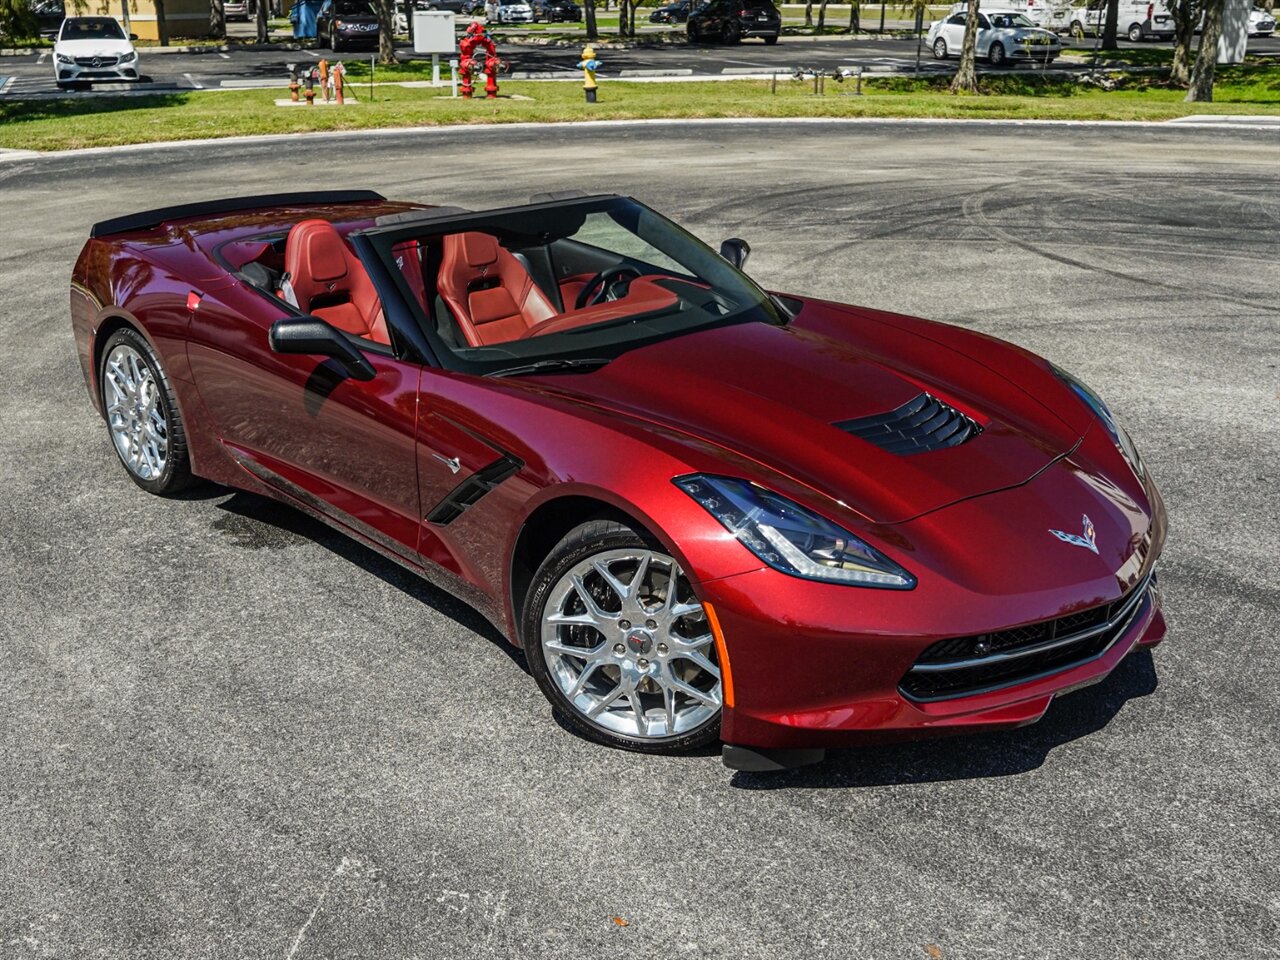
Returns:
<point x="71" y="122"/>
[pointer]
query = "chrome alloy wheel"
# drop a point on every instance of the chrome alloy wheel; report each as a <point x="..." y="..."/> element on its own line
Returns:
<point x="630" y="647"/>
<point x="135" y="413"/>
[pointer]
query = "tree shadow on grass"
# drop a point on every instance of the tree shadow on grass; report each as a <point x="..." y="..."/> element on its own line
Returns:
<point x="61" y="108"/>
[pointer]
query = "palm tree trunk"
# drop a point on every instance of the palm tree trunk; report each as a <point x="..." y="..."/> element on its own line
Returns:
<point x="808" y="14"/>
<point x="1109" y="28"/>
<point x="386" y="32"/>
<point x="589" y="15"/>
<point x="217" y="20"/>
<point x="822" y="15"/>
<point x="855" y="16"/>
<point x="1184" y="27"/>
<point x="262" y="20"/>
<point x="1207" y="56"/>
<point x="966" y="78"/>
<point x="162" y="25"/>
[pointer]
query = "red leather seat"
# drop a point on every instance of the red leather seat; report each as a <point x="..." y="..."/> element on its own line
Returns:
<point x="328" y="281"/>
<point x="489" y="291"/>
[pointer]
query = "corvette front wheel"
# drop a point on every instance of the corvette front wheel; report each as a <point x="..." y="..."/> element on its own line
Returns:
<point x="619" y="643"/>
<point x="142" y="415"/>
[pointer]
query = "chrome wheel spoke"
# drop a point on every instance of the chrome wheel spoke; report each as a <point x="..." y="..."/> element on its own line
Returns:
<point x="670" y="682"/>
<point x="135" y="414"/>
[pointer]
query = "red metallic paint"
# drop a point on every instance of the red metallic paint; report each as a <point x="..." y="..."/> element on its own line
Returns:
<point x="812" y="663"/>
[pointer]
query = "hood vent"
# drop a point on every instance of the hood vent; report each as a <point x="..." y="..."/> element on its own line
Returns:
<point x="921" y="424"/>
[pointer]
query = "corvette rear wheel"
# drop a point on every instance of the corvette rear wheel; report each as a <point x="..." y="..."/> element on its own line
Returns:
<point x="620" y="644"/>
<point x="142" y="415"/>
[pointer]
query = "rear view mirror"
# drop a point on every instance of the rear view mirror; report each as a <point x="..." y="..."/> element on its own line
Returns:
<point x="736" y="252"/>
<point x="312" y="336"/>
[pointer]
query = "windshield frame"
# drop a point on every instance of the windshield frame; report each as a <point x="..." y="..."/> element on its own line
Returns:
<point x="375" y="244"/>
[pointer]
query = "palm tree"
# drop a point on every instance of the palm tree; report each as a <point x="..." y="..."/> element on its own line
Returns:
<point x="966" y="78"/>
<point x="386" y="32"/>
<point x="1207" y="56"/>
<point x="593" y="32"/>
<point x="1184" y="13"/>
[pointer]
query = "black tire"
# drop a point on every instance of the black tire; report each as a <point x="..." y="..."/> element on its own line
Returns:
<point x="584" y="541"/>
<point x="939" y="49"/>
<point x="732" y="33"/>
<point x="1077" y="29"/>
<point x="1135" y="33"/>
<point x="176" y="475"/>
<point x="771" y="40"/>
<point x="995" y="54"/>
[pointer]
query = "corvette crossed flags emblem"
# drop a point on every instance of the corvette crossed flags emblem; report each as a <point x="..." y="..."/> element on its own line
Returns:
<point x="1088" y="540"/>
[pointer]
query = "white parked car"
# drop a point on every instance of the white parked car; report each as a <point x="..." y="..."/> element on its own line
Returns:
<point x="1261" y="23"/>
<point x="1004" y="37"/>
<point x="1053" y="15"/>
<point x="1138" y="19"/>
<point x="93" y="48"/>
<point x="508" y="11"/>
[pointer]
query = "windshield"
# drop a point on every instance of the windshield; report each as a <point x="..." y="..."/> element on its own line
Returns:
<point x="1006" y="20"/>
<point x="572" y="280"/>
<point x="353" y="8"/>
<point x="95" y="28"/>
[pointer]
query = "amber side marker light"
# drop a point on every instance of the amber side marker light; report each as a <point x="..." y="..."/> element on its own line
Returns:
<point x="722" y="655"/>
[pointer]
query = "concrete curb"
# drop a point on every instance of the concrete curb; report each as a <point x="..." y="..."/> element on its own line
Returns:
<point x="477" y="129"/>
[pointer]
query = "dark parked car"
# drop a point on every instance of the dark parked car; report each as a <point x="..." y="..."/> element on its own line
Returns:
<point x="49" y="15"/>
<point x="730" y="20"/>
<point x="346" y="24"/>
<point x="556" y="11"/>
<point x="672" y="13"/>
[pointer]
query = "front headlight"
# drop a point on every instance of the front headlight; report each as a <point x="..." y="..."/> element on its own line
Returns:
<point x="790" y="538"/>
<point x="63" y="58"/>
<point x="129" y="57"/>
<point x="1119" y="436"/>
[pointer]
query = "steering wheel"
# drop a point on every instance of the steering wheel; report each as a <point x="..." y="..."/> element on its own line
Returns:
<point x="605" y="280"/>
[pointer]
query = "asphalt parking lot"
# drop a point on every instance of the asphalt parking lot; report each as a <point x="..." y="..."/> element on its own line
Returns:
<point x="228" y="732"/>
<point x="31" y="75"/>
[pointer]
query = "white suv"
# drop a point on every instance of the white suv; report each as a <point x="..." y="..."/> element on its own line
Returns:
<point x="93" y="48"/>
<point x="508" y="11"/>
<point x="1138" y="19"/>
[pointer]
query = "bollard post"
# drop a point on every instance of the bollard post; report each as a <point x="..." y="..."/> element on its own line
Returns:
<point x="815" y="83"/>
<point x="773" y="86"/>
<point x="310" y="93"/>
<point x="857" y="72"/>
<point x="338" y="73"/>
<point x="589" y="65"/>
<point x="294" y="86"/>
<point x="453" y="77"/>
<point x="324" y="79"/>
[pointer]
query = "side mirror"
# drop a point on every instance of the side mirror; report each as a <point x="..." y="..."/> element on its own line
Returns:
<point x="312" y="336"/>
<point x="133" y="36"/>
<point x="736" y="252"/>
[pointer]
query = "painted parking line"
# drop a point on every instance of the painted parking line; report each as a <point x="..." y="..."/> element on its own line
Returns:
<point x="196" y="84"/>
<point x="225" y="56"/>
<point x="5" y="84"/>
<point x="44" y="55"/>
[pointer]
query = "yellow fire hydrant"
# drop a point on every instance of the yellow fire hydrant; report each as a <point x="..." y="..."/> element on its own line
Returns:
<point x="589" y="65"/>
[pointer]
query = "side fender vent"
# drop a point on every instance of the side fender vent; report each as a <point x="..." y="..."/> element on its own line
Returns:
<point x="921" y="424"/>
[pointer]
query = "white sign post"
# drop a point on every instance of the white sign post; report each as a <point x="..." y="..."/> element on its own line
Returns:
<point x="433" y="34"/>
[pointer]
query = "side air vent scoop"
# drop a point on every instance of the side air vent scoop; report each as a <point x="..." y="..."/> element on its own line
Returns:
<point x="922" y="423"/>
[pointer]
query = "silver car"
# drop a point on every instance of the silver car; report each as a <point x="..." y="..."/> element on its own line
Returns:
<point x="1004" y="37"/>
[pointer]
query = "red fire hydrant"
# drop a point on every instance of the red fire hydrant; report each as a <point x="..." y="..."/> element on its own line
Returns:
<point x="477" y="54"/>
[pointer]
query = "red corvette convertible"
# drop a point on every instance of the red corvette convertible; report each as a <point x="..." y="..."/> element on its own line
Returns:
<point x="702" y="509"/>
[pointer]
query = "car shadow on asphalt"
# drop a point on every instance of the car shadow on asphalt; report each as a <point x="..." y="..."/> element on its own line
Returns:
<point x="259" y="523"/>
<point x="973" y="756"/>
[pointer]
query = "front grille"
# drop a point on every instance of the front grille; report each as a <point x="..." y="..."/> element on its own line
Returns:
<point x="921" y="424"/>
<point x="95" y="61"/>
<point x="963" y="666"/>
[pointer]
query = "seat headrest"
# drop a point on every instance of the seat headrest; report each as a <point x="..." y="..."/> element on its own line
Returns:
<point x="315" y="250"/>
<point x="480" y="249"/>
